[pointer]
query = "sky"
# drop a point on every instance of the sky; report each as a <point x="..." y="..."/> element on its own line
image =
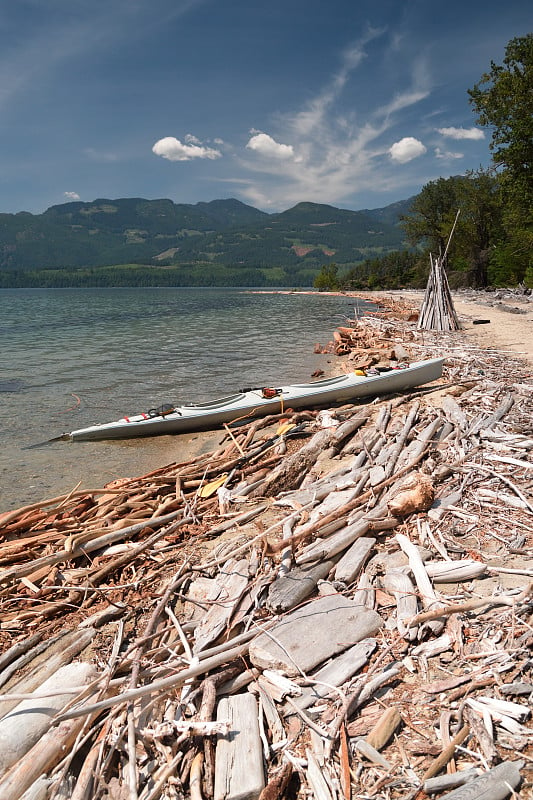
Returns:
<point x="352" y="103"/>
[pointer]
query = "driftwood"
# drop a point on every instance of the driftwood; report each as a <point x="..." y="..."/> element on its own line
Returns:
<point x="259" y="622"/>
<point x="239" y="756"/>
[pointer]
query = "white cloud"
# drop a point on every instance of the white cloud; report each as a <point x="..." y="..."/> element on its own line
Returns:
<point x="265" y="145"/>
<point x="461" y="133"/>
<point x="404" y="100"/>
<point x="446" y="154"/>
<point x="338" y="142"/>
<point x="174" y="150"/>
<point x="71" y="195"/>
<point x="407" y="149"/>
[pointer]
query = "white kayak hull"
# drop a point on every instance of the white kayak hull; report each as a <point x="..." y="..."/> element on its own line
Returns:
<point x="252" y="403"/>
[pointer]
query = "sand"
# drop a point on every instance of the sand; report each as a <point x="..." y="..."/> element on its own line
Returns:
<point x="510" y="318"/>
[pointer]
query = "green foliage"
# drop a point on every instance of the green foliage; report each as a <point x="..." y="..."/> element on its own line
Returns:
<point x="223" y="238"/>
<point x="327" y="279"/>
<point x="503" y="100"/>
<point x="431" y="215"/>
<point x="480" y="234"/>
<point x="398" y="270"/>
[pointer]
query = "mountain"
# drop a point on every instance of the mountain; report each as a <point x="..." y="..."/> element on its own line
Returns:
<point x="218" y="237"/>
<point x="391" y="214"/>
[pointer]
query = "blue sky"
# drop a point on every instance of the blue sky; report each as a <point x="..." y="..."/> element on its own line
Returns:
<point x="354" y="103"/>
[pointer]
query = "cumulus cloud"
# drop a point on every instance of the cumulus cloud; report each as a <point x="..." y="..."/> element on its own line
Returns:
<point x="265" y="145"/>
<point x="462" y="133"/>
<point x="71" y="195"/>
<point x="172" y="149"/>
<point x="407" y="149"/>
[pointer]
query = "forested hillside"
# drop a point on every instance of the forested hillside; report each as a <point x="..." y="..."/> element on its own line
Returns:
<point x="133" y="241"/>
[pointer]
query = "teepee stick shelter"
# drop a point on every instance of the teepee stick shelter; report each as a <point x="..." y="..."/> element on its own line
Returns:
<point x="437" y="312"/>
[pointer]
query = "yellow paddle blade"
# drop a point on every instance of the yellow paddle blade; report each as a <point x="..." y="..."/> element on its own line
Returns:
<point x="287" y="426"/>
<point x="211" y="487"/>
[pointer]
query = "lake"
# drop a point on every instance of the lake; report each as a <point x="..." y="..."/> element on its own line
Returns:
<point x="74" y="357"/>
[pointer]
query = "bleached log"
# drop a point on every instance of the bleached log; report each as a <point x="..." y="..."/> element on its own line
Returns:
<point x="292" y="469"/>
<point x="54" y="745"/>
<point x="336" y="672"/>
<point x="239" y="773"/>
<point x="71" y="644"/>
<point x="452" y="571"/>
<point x="496" y="784"/>
<point x="351" y="563"/>
<point x="502" y="497"/>
<point x="230" y="585"/>
<point x="316" y="778"/>
<point x="427" y="593"/>
<point x="433" y="647"/>
<point x="365" y="594"/>
<point x="39" y="789"/>
<point x="335" y="499"/>
<point x="401" y="586"/>
<point x="415" y="449"/>
<point x="395" y="451"/>
<point x="328" y="548"/>
<point x="295" y="587"/>
<point x="312" y="634"/>
<point x="487" y="422"/>
<point x="371" y="754"/>
<point x="278" y="686"/>
<point x="270" y="711"/>
<point x="454" y="412"/>
<point x="483" y="734"/>
<point x="443" y="782"/>
<point x="27" y="722"/>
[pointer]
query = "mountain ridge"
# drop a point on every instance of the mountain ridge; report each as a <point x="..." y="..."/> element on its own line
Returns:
<point x="218" y="234"/>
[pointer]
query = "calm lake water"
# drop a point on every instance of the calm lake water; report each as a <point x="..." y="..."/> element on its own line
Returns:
<point x="75" y="357"/>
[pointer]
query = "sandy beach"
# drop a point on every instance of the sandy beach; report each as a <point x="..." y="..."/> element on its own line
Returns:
<point x="509" y="316"/>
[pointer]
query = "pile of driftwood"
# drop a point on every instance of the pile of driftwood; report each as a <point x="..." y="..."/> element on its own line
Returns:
<point x="334" y="604"/>
<point x="437" y="311"/>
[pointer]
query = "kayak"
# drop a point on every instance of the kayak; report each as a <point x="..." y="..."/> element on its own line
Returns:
<point x="253" y="402"/>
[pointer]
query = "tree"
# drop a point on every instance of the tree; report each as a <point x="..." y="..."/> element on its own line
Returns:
<point x="503" y="100"/>
<point x="327" y="279"/>
<point x="431" y="215"/>
<point x="477" y="196"/>
<point x="479" y="227"/>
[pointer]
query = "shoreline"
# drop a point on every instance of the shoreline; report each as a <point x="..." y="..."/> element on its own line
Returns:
<point x="402" y="530"/>
<point x="510" y="318"/>
<point x="507" y="316"/>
